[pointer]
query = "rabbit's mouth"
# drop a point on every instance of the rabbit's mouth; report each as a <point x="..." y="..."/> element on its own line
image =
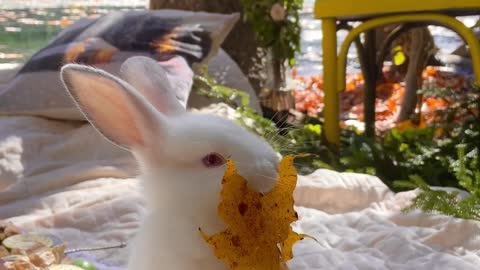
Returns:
<point x="262" y="177"/>
<point x="263" y="183"/>
<point x="262" y="174"/>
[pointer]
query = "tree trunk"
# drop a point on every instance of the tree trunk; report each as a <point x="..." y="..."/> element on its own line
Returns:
<point x="240" y="44"/>
<point x="421" y="48"/>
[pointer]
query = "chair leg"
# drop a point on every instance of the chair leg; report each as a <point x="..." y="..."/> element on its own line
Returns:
<point x="331" y="109"/>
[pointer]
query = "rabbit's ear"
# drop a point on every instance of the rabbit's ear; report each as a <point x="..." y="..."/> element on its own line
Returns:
<point x="154" y="82"/>
<point x="113" y="107"/>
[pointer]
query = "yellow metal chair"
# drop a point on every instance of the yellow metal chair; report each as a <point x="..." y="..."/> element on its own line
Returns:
<point x="374" y="14"/>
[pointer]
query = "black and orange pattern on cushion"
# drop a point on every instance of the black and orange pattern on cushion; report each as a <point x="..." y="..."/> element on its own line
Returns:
<point x="105" y="43"/>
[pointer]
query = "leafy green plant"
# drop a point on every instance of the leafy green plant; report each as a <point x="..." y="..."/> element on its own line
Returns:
<point x="402" y="159"/>
<point x="426" y="152"/>
<point x="450" y="203"/>
<point x="246" y="116"/>
<point x="446" y="154"/>
<point x="399" y="155"/>
<point x="463" y="107"/>
<point x="276" y="24"/>
<point x="304" y="139"/>
<point x="207" y="86"/>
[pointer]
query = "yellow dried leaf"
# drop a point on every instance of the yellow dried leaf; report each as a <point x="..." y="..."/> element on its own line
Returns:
<point x="287" y="245"/>
<point x="258" y="225"/>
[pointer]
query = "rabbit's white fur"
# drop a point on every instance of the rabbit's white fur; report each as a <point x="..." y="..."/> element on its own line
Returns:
<point x="145" y="116"/>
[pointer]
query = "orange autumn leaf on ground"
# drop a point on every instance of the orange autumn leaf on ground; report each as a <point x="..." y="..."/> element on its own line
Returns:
<point x="435" y="104"/>
<point x="257" y="224"/>
<point x="390" y="90"/>
<point x="408" y="124"/>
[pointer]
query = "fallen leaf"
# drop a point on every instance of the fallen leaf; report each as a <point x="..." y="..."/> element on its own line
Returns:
<point x="258" y="234"/>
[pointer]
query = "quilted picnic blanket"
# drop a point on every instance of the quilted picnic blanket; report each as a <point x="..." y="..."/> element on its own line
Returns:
<point x="62" y="178"/>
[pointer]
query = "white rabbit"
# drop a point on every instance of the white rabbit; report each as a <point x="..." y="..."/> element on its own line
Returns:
<point x="182" y="156"/>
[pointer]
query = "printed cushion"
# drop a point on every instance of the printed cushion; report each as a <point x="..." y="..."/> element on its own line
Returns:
<point x="105" y="43"/>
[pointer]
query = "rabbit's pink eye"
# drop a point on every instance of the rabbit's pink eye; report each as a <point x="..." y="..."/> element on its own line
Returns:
<point x="213" y="160"/>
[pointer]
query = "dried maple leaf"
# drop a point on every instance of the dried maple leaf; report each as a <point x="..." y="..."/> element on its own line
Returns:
<point x="257" y="224"/>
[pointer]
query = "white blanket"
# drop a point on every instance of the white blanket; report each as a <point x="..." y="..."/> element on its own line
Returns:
<point x="63" y="178"/>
